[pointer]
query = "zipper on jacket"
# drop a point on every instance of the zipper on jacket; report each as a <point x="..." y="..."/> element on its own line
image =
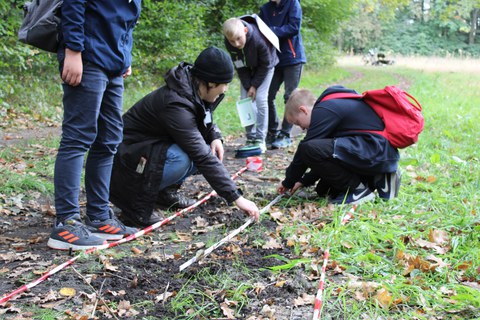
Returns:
<point x="291" y="48"/>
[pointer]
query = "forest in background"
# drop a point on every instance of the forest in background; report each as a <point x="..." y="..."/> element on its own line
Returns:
<point x="169" y="31"/>
<point x="172" y="31"/>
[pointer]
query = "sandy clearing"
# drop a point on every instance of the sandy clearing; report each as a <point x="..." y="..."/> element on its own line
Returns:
<point x="434" y="64"/>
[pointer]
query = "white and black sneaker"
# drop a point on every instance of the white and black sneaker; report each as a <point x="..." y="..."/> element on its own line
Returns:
<point x="388" y="184"/>
<point x="360" y="194"/>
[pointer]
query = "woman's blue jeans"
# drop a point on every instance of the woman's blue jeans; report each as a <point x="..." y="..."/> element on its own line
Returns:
<point x="92" y="123"/>
<point x="177" y="167"/>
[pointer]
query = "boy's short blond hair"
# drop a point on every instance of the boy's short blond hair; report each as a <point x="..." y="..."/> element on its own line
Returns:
<point x="299" y="97"/>
<point x="232" y="27"/>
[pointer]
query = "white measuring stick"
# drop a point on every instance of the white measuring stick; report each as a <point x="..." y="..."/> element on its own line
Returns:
<point x="202" y="254"/>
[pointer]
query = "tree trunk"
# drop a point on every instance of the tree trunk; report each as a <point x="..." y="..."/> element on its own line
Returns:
<point x="473" y="26"/>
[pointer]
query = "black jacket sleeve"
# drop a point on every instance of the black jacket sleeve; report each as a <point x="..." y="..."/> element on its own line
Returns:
<point x="183" y="127"/>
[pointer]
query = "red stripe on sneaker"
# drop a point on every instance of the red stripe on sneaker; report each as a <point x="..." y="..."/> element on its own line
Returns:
<point x="61" y="234"/>
<point x="68" y="236"/>
<point x="73" y="239"/>
<point x="108" y="228"/>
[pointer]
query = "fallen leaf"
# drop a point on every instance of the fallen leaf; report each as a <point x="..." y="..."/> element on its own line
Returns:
<point x="183" y="237"/>
<point x="200" y="222"/>
<point x="267" y="311"/>
<point x="438" y="236"/>
<point x="258" y="287"/>
<point x="227" y="311"/>
<point x="472" y="284"/>
<point x="280" y="283"/>
<point x="439" y="261"/>
<point x="347" y="244"/>
<point x="464" y="265"/>
<point x="272" y="243"/>
<point x="304" y="299"/>
<point x="383" y="298"/>
<point x="164" y="296"/>
<point x="431" y="245"/>
<point x="67" y="292"/>
<point x="109" y="267"/>
<point x="136" y="251"/>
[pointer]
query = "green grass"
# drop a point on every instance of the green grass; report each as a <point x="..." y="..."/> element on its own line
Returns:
<point x="441" y="179"/>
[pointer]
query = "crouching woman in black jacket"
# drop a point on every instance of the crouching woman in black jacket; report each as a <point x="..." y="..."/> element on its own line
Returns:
<point x="168" y="135"/>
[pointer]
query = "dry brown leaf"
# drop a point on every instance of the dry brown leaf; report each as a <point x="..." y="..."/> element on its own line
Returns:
<point x="125" y="309"/>
<point x="290" y="243"/>
<point x="383" y="298"/>
<point x="367" y="286"/>
<point x="109" y="266"/>
<point x="272" y="243"/>
<point x="200" y="222"/>
<point x="280" y="283"/>
<point x="164" y="296"/>
<point x="439" y="261"/>
<point x="464" y="265"/>
<point x="136" y="251"/>
<point x="304" y="299"/>
<point x="258" y="287"/>
<point x="183" y="237"/>
<point x="431" y="245"/>
<point x="347" y="244"/>
<point x="233" y="248"/>
<point x="267" y="311"/>
<point x="196" y="246"/>
<point x="67" y="292"/>
<point x="438" y="236"/>
<point x="227" y="312"/>
<point x="472" y="284"/>
<point x="278" y="216"/>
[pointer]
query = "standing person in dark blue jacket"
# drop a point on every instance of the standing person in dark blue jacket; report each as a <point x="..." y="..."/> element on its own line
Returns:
<point x="284" y="17"/>
<point x="94" y="58"/>
<point x="349" y="164"/>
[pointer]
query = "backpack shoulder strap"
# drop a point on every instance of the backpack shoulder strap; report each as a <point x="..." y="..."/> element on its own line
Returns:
<point x="341" y="95"/>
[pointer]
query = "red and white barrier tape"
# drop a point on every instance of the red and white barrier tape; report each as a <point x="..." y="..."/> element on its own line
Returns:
<point x="319" y="297"/>
<point x="321" y="285"/>
<point x="113" y="244"/>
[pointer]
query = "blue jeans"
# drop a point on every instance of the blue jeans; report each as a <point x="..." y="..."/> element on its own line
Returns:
<point x="290" y="75"/>
<point x="177" y="167"/>
<point x="92" y="122"/>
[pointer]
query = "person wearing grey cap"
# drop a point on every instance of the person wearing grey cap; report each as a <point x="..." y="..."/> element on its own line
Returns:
<point x="168" y="135"/>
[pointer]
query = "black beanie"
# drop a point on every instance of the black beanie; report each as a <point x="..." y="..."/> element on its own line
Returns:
<point x="213" y="65"/>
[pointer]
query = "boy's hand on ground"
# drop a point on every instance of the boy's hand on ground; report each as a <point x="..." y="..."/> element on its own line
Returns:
<point x="297" y="186"/>
<point x="281" y="189"/>
<point x="249" y="207"/>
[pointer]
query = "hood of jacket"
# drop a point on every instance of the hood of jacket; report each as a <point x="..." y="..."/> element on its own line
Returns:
<point x="179" y="79"/>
